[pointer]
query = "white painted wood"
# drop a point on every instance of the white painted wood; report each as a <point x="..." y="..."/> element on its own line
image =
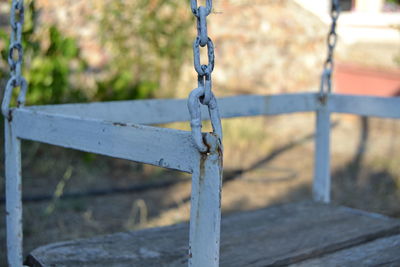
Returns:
<point x="13" y="196"/>
<point x="166" y="148"/>
<point x="108" y="129"/>
<point x="171" y="110"/>
<point x="365" y="105"/>
<point x="159" y="111"/>
<point x="322" y="178"/>
<point x="205" y="213"/>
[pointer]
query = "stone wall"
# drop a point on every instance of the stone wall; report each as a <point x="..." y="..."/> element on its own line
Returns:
<point x="265" y="46"/>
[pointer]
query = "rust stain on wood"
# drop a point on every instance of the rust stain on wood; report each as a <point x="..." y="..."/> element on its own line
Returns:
<point x="120" y="124"/>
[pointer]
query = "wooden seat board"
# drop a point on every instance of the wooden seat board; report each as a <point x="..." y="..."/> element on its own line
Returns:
<point x="381" y="252"/>
<point x="274" y="236"/>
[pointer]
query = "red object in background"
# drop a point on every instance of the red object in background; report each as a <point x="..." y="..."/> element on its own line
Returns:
<point x="358" y="80"/>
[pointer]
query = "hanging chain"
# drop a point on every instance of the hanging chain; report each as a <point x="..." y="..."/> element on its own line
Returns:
<point x="15" y="56"/>
<point x="203" y="94"/>
<point x="326" y="78"/>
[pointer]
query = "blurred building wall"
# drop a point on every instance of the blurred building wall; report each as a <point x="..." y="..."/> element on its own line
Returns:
<point x="370" y="6"/>
<point x="367" y="21"/>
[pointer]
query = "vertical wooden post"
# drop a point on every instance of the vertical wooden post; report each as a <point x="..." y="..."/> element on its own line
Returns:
<point x="322" y="178"/>
<point x="13" y="196"/>
<point x="205" y="213"/>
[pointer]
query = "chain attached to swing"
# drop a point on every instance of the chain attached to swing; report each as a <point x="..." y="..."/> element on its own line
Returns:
<point x="15" y="56"/>
<point x="203" y="93"/>
<point x="326" y="77"/>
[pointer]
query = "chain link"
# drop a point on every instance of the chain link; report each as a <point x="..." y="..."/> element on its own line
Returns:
<point x="326" y="77"/>
<point x="195" y="9"/>
<point x="203" y="70"/>
<point x="203" y="93"/>
<point x="15" y="57"/>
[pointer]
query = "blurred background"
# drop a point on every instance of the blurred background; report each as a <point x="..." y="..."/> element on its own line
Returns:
<point x="86" y="51"/>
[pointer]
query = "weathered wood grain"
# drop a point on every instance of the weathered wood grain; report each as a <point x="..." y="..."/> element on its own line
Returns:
<point x="275" y="236"/>
<point x="381" y="252"/>
<point x="157" y="111"/>
<point x="168" y="148"/>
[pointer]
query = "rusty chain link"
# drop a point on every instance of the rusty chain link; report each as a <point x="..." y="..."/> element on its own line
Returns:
<point x="326" y="77"/>
<point x="203" y="93"/>
<point x="15" y="57"/>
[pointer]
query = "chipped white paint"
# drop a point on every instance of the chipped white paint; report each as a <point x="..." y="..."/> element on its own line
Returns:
<point x="166" y="148"/>
<point x="322" y="179"/>
<point x="13" y="196"/>
<point x="205" y="212"/>
<point x="109" y="129"/>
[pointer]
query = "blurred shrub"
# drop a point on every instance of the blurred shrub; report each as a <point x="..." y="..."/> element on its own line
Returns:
<point x="47" y="65"/>
<point x="146" y="42"/>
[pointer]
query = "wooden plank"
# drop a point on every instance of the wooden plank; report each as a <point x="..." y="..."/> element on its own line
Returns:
<point x="381" y="252"/>
<point x="365" y="105"/>
<point x="322" y="158"/>
<point x="275" y="236"/>
<point x="13" y="196"/>
<point x="205" y="211"/>
<point x="162" y="147"/>
<point x="158" y="111"/>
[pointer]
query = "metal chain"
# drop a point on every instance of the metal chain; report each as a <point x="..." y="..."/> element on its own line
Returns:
<point x="326" y="77"/>
<point x="15" y="56"/>
<point x="203" y="94"/>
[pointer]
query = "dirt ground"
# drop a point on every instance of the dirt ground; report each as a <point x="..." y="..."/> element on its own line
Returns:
<point x="261" y="169"/>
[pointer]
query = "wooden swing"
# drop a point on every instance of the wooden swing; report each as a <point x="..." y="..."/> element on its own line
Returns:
<point x="305" y="234"/>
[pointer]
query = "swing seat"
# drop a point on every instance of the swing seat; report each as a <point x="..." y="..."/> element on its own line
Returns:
<point x="274" y="236"/>
<point x="303" y="234"/>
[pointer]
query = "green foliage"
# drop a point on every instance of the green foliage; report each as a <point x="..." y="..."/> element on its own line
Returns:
<point x="122" y="86"/>
<point x="148" y="41"/>
<point x="49" y="71"/>
<point x="393" y="1"/>
<point x="47" y="67"/>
